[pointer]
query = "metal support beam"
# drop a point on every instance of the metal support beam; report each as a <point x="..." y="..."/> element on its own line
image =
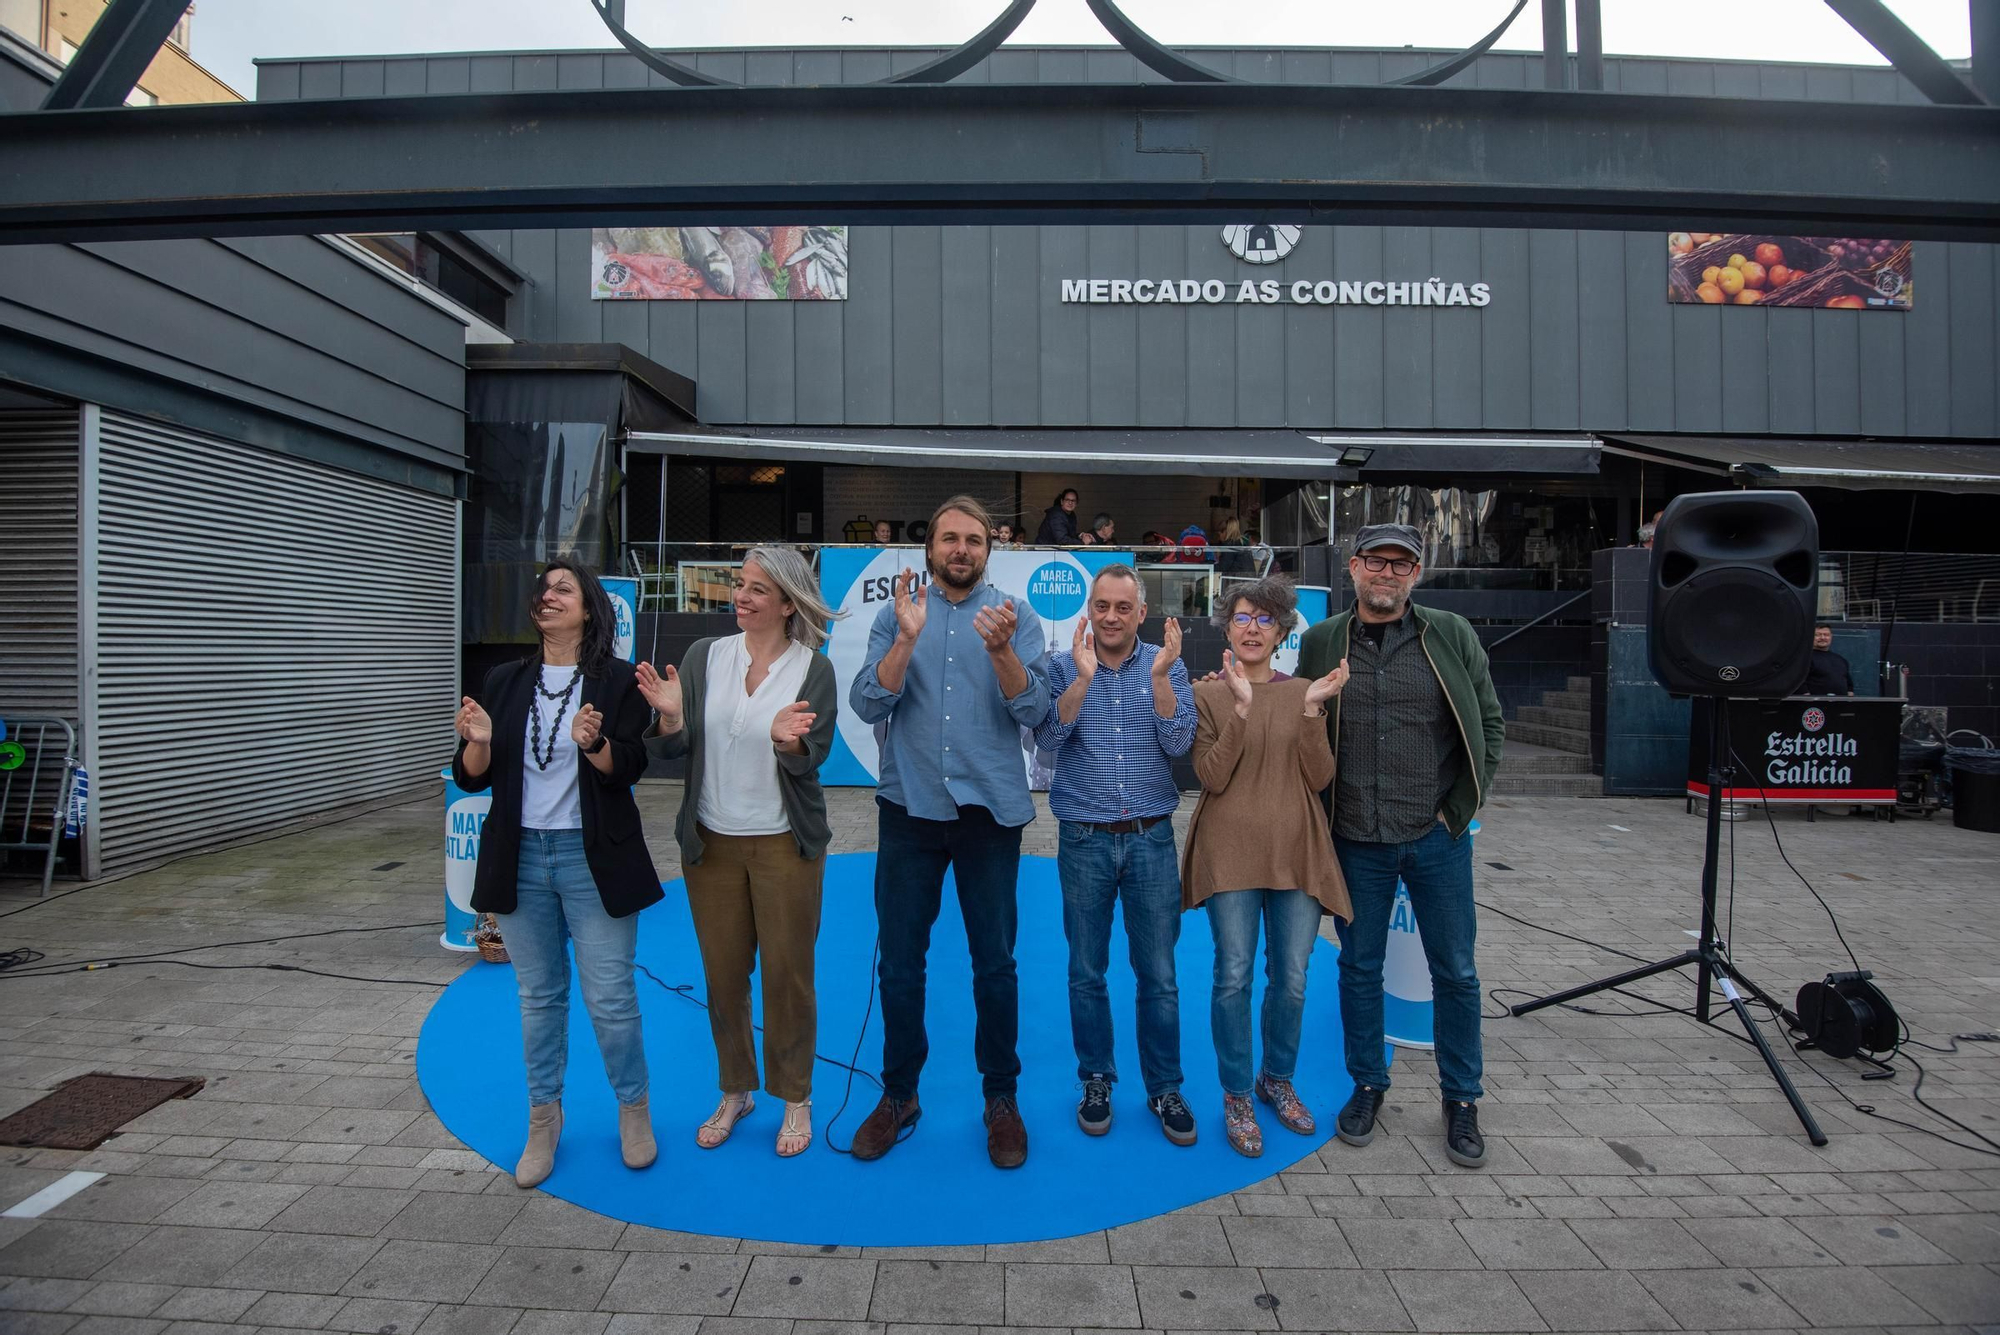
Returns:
<point x="1589" y="45"/>
<point x="1909" y="53"/>
<point x="989" y="153"/>
<point x="1555" y="43"/>
<point x="1986" y="49"/>
<point x="124" y="40"/>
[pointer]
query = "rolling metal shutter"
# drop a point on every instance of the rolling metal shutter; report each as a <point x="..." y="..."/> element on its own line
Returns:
<point x="38" y="563"/>
<point x="272" y="638"/>
<point x="39" y="614"/>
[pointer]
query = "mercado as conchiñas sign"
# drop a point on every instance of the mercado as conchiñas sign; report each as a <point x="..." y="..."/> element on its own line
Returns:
<point x="1273" y="292"/>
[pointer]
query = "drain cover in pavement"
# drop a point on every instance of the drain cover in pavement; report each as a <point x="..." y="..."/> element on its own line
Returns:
<point x="82" y="1113"/>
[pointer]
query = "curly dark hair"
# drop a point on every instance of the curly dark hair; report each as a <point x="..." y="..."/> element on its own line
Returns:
<point x="1272" y="594"/>
<point x="600" y="623"/>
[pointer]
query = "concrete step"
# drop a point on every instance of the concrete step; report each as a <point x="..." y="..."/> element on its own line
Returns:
<point x="1574" y="740"/>
<point x="1575" y="720"/>
<point x="1579" y="685"/>
<point x="1523" y="758"/>
<point x="1573" y="700"/>
<point x="1547" y="785"/>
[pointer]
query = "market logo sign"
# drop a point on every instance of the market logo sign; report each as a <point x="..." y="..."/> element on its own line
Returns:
<point x="1056" y="590"/>
<point x="1260" y="243"/>
<point x="1272" y="292"/>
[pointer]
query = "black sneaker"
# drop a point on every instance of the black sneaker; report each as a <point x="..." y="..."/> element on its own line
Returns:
<point x="1462" y="1142"/>
<point x="1356" y="1123"/>
<point x="1175" y="1119"/>
<point x="1093" y="1114"/>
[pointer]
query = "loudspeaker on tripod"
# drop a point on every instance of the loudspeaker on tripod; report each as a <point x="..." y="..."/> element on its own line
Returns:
<point x="1733" y="590"/>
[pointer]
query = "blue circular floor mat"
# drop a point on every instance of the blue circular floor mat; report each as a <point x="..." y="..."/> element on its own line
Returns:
<point x="935" y="1189"/>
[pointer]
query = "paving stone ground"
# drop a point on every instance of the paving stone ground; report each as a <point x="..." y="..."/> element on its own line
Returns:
<point x="1645" y="1174"/>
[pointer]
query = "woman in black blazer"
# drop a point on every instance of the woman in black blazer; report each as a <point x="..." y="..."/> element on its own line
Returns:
<point x="561" y="858"/>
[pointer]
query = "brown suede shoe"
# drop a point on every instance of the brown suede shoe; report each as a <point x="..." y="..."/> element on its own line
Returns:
<point x="1006" y="1133"/>
<point x="884" y="1127"/>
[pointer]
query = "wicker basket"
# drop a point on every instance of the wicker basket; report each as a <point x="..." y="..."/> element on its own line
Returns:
<point x="486" y="936"/>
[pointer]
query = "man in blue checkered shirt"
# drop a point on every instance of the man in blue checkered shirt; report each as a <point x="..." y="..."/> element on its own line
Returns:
<point x="1121" y="710"/>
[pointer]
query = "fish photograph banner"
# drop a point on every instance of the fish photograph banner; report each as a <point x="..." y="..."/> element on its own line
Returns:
<point x="1816" y="272"/>
<point x="718" y="263"/>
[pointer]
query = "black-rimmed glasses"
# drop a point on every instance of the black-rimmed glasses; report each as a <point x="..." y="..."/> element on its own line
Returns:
<point x="1248" y="619"/>
<point x="1402" y="565"/>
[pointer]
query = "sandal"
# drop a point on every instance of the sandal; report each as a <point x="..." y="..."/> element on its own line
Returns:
<point x="733" y="1109"/>
<point x="791" y="1129"/>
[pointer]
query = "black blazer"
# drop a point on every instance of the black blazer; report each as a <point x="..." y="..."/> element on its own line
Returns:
<point x="612" y="841"/>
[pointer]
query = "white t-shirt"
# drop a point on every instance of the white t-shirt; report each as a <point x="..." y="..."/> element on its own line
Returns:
<point x="739" y="784"/>
<point x="549" y="798"/>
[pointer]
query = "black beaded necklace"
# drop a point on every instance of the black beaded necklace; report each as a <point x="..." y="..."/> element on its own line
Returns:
<point x="535" y="715"/>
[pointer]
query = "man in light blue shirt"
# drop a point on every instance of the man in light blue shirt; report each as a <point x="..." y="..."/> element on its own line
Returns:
<point x="957" y="670"/>
<point x="1123" y="710"/>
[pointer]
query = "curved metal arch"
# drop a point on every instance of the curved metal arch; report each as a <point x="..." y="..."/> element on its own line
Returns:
<point x="1131" y="36"/>
<point x="1150" y="53"/>
<point x="941" y="70"/>
<point x="1444" y="69"/>
<point x="687" y="76"/>
<point x="954" y="63"/>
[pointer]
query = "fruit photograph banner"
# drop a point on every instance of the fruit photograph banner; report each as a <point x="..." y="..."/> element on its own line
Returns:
<point x="718" y="263"/>
<point x="1821" y="272"/>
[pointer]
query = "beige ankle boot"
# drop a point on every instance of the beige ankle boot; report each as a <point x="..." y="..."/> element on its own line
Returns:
<point x="635" y="1134"/>
<point x="538" y="1157"/>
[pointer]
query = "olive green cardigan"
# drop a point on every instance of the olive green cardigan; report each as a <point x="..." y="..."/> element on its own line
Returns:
<point x="798" y="776"/>
<point x="1455" y="654"/>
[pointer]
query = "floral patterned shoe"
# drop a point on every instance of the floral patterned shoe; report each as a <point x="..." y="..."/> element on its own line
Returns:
<point x="1239" y="1119"/>
<point x="1284" y="1100"/>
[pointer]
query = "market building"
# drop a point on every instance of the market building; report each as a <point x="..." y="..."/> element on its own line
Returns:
<point x="655" y="399"/>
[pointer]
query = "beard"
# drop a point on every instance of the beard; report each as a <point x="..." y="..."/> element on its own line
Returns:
<point x="944" y="575"/>
<point x="1382" y="600"/>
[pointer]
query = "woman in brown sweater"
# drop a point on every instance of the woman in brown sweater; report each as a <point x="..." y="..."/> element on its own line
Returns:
<point x="1258" y="852"/>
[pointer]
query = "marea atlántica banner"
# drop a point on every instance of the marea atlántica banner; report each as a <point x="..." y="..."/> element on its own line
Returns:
<point x="861" y="580"/>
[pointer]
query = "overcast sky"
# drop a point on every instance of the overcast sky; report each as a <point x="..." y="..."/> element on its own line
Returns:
<point x="229" y="34"/>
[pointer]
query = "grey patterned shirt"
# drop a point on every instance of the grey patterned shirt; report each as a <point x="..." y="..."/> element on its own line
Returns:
<point x="1400" y="751"/>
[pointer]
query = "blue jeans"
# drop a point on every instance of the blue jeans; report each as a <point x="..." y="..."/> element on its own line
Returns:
<point x="558" y="904"/>
<point x="1098" y="870"/>
<point x="1290" y="919"/>
<point x="911" y="857"/>
<point x="1438" y="870"/>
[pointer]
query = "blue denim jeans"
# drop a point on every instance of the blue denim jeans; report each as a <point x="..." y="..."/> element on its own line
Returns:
<point x="1438" y="870"/>
<point x="559" y="904"/>
<point x="912" y="855"/>
<point x="1097" y="871"/>
<point x="1290" y="920"/>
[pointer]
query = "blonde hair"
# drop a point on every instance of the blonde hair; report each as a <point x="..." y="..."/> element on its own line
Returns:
<point x="794" y="578"/>
<point x="1232" y="530"/>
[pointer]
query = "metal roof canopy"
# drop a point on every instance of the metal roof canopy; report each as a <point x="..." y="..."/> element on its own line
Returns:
<point x="1286" y="454"/>
<point x="1848" y="465"/>
<point x="1041" y="153"/>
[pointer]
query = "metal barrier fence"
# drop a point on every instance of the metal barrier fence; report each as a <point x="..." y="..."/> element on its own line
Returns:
<point x="35" y="787"/>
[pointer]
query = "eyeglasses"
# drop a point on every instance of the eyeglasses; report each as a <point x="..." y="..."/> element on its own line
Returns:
<point x="1248" y="619"/>
<point x="1401" y="565"/>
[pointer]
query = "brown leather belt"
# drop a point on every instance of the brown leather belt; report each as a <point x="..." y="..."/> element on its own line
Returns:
<point x="1133" y="826"/>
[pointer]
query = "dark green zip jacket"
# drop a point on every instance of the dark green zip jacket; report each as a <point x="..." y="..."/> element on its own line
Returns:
<point x="1455" y="654"/>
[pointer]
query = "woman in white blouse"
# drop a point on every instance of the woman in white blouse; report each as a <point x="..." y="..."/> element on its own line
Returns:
<point x="754" y="715"/>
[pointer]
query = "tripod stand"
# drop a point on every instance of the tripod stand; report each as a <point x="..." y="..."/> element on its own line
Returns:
<point x="1712" y="965"/>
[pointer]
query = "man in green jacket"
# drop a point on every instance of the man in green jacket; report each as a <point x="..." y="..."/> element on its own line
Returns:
<point x="1416" y="738"/>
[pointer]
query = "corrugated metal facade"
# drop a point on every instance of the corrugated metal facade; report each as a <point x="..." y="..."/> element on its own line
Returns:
<point x="271" y="638"/>
<point x="38" y="562"/>
<point x="964" y="326"/>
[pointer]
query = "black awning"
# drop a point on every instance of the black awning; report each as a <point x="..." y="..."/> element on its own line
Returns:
<point x="1276" y="453"/>
<point x="1850" y="465"/>
<point x="575" y="382"/>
